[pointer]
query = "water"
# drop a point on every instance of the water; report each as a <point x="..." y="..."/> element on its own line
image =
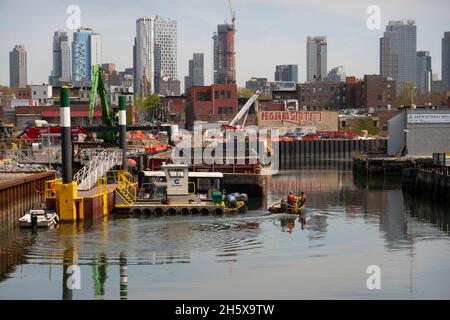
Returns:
<point x="350" y="226"/>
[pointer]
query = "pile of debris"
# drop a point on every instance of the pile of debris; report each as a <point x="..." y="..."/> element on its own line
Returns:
<point x="10" y="166"/>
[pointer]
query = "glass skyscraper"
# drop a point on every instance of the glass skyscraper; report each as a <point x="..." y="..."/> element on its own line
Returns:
<point x="62" y="64"/>
<point x="423" y="71"/>
<point x="398" y="50"/>
<point x="316" y="58"/>
<point x="288" y="72"/>
<point x="155" y="53"/>
<point x="86" y="51"/>
<point x="446" y="62"/>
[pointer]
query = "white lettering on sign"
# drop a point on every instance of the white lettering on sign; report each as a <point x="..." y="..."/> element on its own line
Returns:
<point x="429" y="118"/>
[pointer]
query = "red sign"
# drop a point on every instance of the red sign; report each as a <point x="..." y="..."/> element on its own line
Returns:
<point x="299" y="117"/>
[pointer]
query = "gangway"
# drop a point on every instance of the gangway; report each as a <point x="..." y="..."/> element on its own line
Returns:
<point x="97" y="168"/>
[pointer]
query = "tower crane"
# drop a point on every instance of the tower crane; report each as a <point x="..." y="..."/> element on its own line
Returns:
<point x="233" y="13"/>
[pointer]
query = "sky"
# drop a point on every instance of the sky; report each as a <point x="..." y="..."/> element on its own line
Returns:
<point x="269" y="32"/>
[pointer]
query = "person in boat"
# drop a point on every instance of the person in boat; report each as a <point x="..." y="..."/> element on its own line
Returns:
<point x="302" y="199"/>
<point x="291" y="198"/>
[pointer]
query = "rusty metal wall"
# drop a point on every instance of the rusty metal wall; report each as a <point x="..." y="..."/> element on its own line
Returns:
<point x="20" y="195"/>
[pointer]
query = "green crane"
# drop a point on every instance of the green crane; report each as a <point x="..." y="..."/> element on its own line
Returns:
<point x="98" y="87"/>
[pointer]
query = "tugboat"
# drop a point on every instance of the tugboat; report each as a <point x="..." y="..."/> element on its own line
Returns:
<point x="176" y="191"/>
<point x="38" y="219"/>
<point x="290" y="205"/>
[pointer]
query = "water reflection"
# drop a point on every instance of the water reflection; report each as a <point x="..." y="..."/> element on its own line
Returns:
<point x="344" y="217"/>
<point x="123" y="276"/>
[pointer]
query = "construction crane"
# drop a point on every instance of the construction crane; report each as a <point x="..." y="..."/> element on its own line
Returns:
<point x="233" y="13"/>
<point x="243" y="112"/>
<point x="98" y="88"/>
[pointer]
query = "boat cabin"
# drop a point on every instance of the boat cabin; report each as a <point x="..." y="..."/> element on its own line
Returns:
<point x="178" y="184"/>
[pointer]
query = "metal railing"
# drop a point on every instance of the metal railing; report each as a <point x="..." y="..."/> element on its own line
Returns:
<point x="97" y="168"/>
<point x="44" y="156"/>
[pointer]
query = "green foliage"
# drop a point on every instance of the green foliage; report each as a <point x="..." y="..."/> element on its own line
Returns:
<point x="244" y="93"/>
<point x="359" y="125"/>
<point x="149" y="104"/>
<point x="408" y="91"/>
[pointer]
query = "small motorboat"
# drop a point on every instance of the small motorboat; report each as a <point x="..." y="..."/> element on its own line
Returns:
<point x="236" y="203"/>
<point x="39" y="219"/>
<point x="282" y="206"/>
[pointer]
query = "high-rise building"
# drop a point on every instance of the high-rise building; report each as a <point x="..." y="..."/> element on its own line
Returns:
<point x="287" y="72"/>
<point x="446" y="61"/>
<point x="18" y="67"/>
<point x="155" y="53"/>
<point x="144" y="57"/>
<point x="86" y="51"/>
<point x="224" y="55"/>
<point x="261" y="84"/>
<point x="316" y="58"/>
<point x="62" y="64"/>
<point x="166" y="38"/>
<point x="423" y="71"/>
<point x="158" y="65"/>
<point x="436" y="84"/>
<point x="398" y="49"/>
<point x="96" y="49"/>
<point x="196" y="72"/>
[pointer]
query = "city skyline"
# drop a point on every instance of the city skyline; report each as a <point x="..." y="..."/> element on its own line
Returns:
<point x="196" y="27"/>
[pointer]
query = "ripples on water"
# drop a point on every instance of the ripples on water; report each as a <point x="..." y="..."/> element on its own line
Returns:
<point x="347" y="222"/>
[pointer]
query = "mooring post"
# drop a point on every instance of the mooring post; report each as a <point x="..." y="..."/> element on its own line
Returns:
<point x="123" y="130"/>
<point x="67" y="191"/>
<point x="66" y="135"/>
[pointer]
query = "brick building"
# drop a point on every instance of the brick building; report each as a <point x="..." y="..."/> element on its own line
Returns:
<point x="322" y="96"/>
<point x="210" y="102"/>
<point x="353" y="95"/>
<point x="23" y="93"/>
<point x="174" y="107"/>
<point x="378" y="92"/>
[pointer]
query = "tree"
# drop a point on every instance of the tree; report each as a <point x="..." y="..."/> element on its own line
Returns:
<point x="408" y="92"/>
<point x="148" y="106"/>
<point x="244" y="93"/>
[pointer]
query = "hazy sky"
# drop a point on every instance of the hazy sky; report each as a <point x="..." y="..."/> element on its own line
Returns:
<point x="269" y="32"/>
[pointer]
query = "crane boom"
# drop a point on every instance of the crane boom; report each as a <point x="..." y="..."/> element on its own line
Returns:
<point x="233" y="12"/>
<point x="244" y="109"/>
<point x="98" y="87"/>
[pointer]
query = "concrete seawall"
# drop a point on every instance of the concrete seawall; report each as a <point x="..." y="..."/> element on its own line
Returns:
<point x="295" y="153"/>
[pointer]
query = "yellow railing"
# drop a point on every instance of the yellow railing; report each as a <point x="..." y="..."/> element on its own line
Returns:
<point x="50" y="188"/>
<point x="126" y="186"/>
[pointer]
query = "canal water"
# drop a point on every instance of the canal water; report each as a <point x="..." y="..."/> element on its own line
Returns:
<point x="350" y="225"/>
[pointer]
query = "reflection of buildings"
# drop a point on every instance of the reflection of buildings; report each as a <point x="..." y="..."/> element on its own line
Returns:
<point x="12" y="255"/>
